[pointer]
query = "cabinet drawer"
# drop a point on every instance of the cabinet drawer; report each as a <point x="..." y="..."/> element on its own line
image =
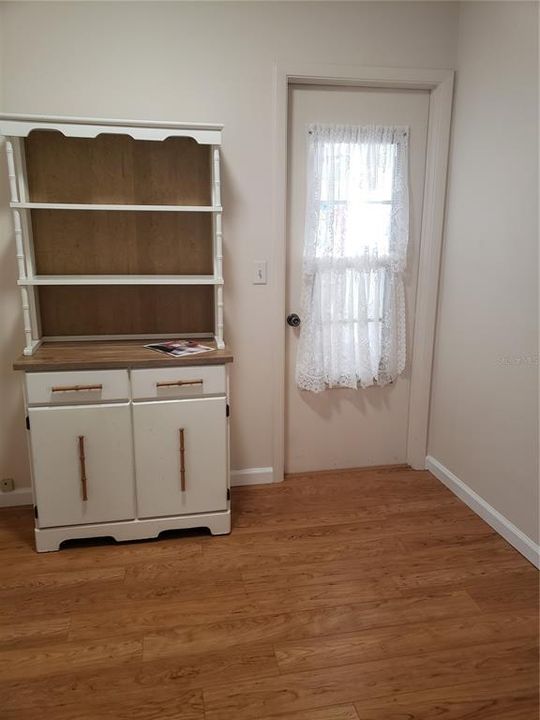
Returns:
<point x="61" y="388"/>
<point x="176" y="382"/>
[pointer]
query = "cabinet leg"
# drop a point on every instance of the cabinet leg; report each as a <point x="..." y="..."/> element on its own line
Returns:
<point x="221" y="525"/>
<point x="46" y="542"/>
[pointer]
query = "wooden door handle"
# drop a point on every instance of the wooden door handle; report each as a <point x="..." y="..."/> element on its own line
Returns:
<point x="75" y="388"/>
<point x="182" y="461"/>
<point x="178" y="383"/>
<point x="82" y="466"/>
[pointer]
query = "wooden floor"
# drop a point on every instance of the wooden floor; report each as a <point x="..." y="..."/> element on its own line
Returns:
<point x="371" y="595"/>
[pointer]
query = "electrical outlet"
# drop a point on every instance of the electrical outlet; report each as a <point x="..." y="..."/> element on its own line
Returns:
<point x="7" y="484"/>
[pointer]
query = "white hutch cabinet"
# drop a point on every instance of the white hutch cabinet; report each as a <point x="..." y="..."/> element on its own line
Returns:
<point x="118" y="236"/>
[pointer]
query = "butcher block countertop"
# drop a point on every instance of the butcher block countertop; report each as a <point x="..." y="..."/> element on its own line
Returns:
<point x="111" y="354"/>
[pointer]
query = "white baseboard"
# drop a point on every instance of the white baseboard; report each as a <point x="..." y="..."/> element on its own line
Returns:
<point x="19" y="496"/>
<point x="249" y="476"/>
<point x="527" y="547"/>
<point x="252" y="476"/>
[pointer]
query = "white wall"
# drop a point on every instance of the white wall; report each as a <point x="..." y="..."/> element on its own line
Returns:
<point x="214" y="63"/>
<point x="13" y="457"/>
<point x="484" y="403"/>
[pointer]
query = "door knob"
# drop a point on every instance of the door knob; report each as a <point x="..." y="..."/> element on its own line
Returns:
<point x="293" y="320"/>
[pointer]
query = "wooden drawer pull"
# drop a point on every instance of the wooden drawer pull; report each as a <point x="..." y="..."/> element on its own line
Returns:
<point x="178" y="383"/>
<point x="82" y="464"/>
<point x="75" y="388"/>
<point x="182" y="461"/>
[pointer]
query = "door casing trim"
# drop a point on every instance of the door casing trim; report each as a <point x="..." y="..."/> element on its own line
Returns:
<point x="440" y="85"/>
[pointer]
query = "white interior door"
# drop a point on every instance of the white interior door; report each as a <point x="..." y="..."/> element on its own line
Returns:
<point x="343" y="428"/>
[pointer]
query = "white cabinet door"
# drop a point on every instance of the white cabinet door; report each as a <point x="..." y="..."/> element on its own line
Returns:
<point x="160" y="430"/>
<point x="70" y="444"/>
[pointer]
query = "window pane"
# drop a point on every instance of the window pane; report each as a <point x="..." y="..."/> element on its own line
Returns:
<point x="356" y="199"/>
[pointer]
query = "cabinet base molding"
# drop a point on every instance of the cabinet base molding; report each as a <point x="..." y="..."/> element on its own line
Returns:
<point x="49" y="539"/>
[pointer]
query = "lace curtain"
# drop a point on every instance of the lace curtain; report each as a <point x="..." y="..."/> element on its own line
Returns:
<point x="355" y="252"/>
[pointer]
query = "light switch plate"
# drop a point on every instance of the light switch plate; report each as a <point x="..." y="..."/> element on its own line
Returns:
<point x="259" y="272"/>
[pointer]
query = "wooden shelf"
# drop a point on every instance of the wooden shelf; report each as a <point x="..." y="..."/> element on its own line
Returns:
<point x="112" y="354"/>
<point x="122" y="208"/>
<point x="121" y="280"/>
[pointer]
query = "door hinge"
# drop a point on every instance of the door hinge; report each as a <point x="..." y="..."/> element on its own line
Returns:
<point x="35" y="512"/>
<point x="227" y="410"/>
<point x="27" y="423"/>
<point x="228" y="493"/>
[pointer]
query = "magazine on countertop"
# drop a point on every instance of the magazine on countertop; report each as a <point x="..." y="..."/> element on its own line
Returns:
<point x="179" y="348"/>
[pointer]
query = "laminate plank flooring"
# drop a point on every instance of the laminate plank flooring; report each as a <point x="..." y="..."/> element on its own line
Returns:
<point x="356" y="595"/>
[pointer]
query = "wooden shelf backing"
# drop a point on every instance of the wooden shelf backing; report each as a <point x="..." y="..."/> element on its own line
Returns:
<point x="79" y="243"/>
<point x="154" y="280"/>
<point x="117" y="170"/>
<point x="126" y="310"/>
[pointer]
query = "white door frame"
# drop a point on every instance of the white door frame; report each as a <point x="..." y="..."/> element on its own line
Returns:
<point x="440" y="85"/>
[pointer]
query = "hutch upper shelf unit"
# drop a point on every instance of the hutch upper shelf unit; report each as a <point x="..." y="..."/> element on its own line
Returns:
<point x="118" y="228"/>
